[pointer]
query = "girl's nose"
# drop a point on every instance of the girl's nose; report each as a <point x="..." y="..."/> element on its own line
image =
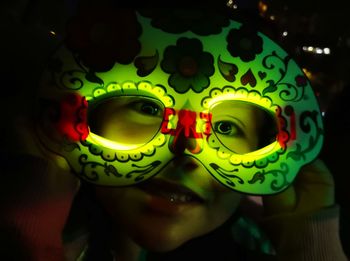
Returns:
<point x="185" y="135"/>
<point x="178" y="144"/>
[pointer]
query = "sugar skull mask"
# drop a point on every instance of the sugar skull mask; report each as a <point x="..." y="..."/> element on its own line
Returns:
<point x="130" y="91"/>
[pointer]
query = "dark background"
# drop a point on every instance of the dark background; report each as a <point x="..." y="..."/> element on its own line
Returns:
<point x="27" y="26"/>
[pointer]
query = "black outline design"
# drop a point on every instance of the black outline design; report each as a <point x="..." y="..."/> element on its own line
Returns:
<point x="248" y="78"/>
<point x="283" y="171"/>
<point x="226" y="175"/>
<point x="173" y="58"/>
<point x="109" y="169"/>
<point x="89" y="75"/>
<point x="121" y="156"/>
<point x="146" y="64"/>
<point x="244" y="42"/>
<point x="147" y="169"/>
<point x="298" y="153"/>
<point x="68" y="146"/>
<point x="73" y="80"/>
<point x="94" y="174"/>
<point x="227" y="70"/>
<point x="273" y="86"/>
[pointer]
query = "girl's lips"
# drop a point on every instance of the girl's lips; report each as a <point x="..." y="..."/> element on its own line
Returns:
<point x="172" y="192"/>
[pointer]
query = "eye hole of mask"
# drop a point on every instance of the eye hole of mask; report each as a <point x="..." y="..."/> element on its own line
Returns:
<point x="243" y="127"/>
<point x="126" y="119"/>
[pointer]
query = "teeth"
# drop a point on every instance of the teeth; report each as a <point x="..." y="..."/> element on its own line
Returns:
<point x="183" y="198"/>
<point x="179" y="198"/>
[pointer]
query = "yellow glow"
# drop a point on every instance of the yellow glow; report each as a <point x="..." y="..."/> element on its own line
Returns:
<point x="308" y="74"/>
<point x="98" y="140"/>
<point x="273" y="147"/>
<point x="52" y="33"/>
<point x="256" y="155"/>
<point x="130" y="88"/>
<point x="262" y="7"/>
<point x="112" y="87"/>
<point x="99" y="92"/>
<point x="242" y="95"/>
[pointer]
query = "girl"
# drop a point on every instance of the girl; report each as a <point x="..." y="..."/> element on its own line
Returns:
<point x="168" y="117"/>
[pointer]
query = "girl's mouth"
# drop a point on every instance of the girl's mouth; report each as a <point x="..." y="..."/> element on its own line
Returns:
<point x="174" y="192"/>
<point x="169" y="198"/>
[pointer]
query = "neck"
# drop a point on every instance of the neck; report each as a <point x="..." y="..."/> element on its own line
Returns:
<point x="124" y="248"/>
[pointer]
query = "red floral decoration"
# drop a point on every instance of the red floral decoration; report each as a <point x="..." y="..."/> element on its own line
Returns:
<point x="73" y="117"/>
<point x="103" y="35"/>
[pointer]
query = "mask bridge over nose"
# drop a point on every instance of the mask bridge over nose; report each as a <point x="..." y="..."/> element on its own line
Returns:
<point x="185" y="136"/>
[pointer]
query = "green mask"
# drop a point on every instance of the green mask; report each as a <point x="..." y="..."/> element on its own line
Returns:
<point x="135" y="90"/>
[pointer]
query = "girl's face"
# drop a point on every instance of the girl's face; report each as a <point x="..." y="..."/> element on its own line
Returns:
<point x="183" y="201"/>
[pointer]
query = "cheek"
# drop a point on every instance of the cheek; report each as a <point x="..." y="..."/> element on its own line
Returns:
<point x="246" y="145"/>
<point x="122" y="204"/>
<point x="222" y="207"/>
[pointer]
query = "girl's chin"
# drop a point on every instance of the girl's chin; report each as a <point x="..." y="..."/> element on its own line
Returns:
<point x="159" y="245"/>
<point x="160" y="237"/>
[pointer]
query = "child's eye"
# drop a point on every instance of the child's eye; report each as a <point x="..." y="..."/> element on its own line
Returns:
<point x="228" y="128"/>
<point x="147" y="107"/>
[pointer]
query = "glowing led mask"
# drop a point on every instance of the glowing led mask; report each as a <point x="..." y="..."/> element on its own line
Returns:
<point x="129" y="92"/>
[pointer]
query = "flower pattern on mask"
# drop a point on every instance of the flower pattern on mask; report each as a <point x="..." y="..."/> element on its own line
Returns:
<point x="244" y="43"/>
<point x="300" y="81"/>
<point x="201" y="22"/>
<point x="73" y="117"/>
<point x="103" y="36"/>
<point x="189" y="67"/>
